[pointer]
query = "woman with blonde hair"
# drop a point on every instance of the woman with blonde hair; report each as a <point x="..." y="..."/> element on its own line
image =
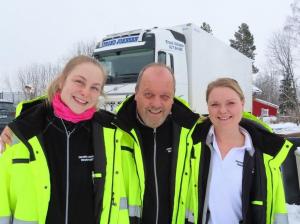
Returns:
<point x="61" y="168"/>
<point x="239" y="172"/>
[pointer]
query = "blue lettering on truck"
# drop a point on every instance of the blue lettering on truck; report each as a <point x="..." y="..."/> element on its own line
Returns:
<point x="120" y="40"/>
<point x="175" y="45"/>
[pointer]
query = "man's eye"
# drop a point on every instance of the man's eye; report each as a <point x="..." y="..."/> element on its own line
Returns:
<point x="147" y="95"/>
<point x="165" y="97"/>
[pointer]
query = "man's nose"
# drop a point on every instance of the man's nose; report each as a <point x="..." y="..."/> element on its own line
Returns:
<point x="156" y="102"/>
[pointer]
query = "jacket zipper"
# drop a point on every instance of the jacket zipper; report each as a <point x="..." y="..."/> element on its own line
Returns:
<point x="155" y="176"/>
<point x="112" y="185"/>
<point x="271" y="209"/>
<point x="204" y="217"/>
<point x="68" y="133"/>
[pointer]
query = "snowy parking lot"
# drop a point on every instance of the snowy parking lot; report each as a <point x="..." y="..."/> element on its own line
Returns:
<point x="286" y="128"/>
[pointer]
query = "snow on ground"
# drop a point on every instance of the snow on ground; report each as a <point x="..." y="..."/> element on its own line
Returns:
<point x="294" y="214"/>
<point x="285" y="128"/>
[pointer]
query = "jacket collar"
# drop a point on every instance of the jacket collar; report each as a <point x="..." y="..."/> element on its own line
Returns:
<point x="35" y="115"/>
<point x="180" y="114"/>
<point x="248" y="146"/>
<point x="31" y="121"/>
<point x="262" y="139"/>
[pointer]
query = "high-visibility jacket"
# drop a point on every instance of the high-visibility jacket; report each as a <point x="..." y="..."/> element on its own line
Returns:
<point x="25" y="180"/>
<point x="133" y="166"/>
<point x="263" y="198"/>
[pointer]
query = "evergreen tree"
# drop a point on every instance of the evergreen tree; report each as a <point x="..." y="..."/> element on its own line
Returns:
<point x="286" y="97"/>
<point x="244" y="43"/>
<point x="205" y="26"/>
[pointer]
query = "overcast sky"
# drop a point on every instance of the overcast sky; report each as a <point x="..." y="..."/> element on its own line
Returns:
<point x="37" y="31"/>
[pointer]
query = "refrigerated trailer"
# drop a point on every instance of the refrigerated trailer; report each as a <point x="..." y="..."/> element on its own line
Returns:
<point x="195" y="56"/>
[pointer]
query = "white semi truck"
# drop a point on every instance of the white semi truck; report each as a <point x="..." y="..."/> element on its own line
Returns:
<point x="195" y="56"/>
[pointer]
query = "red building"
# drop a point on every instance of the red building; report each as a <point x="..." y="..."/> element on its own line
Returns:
<point x="261" y="108"/>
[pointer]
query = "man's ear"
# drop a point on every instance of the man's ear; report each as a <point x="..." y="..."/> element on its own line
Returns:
<point x="135" y="93"/>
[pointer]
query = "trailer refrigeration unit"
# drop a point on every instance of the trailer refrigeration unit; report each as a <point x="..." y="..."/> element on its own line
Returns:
<point x="195" y="56"/>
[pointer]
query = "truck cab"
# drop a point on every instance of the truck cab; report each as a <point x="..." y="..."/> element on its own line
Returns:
<point x="125" y="54"/>
<point x="195" y="56"/>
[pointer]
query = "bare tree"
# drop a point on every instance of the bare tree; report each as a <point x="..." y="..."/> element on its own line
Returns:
<point x="8" y="83"/>
<point x="293" y="22"/>
<point x="268" y="82"/>
<point x="84" y="48"/>
<point x="80" y="48"/>
<point x="282" y="60"/>
<point x="9" y="87"/>
<point x="33" y="80"/>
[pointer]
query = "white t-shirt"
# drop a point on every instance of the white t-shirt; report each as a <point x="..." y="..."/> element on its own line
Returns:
<point x="225" y="187"/>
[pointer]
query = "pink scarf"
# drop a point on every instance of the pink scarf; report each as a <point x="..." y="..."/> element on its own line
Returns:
<point x="62" y="111"/>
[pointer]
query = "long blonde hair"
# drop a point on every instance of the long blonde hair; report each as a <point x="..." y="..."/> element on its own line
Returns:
<point x="55" y="85"/>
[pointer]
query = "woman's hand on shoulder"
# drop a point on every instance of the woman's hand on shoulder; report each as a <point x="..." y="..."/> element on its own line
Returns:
<point x="5" y="138"/>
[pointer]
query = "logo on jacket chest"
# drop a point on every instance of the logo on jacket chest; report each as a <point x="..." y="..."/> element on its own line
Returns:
<point x="241" y="164"/>
<point x="86" y="158"/>
<point x="169" y="149"/>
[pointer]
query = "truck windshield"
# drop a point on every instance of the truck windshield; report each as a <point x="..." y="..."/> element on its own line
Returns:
<point x="124" y="66"/>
